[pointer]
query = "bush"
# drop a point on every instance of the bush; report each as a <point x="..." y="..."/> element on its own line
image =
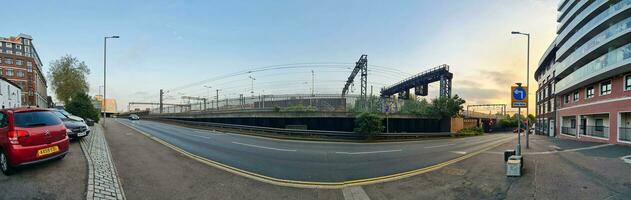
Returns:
<point x="369" y="124"/>
<point x="470" y="131"/>
<point x="81" y="105"/>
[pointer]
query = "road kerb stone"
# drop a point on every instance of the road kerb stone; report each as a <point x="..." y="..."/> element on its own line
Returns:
<point x="103" y="181"/>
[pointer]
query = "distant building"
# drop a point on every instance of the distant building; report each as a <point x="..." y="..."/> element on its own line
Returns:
<point x="10" y="94"/>
<point x="585" y="76"/>
<point x="20" y="63"/>
<point x="110" y="105"/>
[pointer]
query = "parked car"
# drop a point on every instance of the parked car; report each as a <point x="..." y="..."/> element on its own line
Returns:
<point x="77" y="128"/>
<point x="134" y="117"/>
<point x="66" y="113"/>
<point x="89" y="122"/>
<point x="29" y="136"/>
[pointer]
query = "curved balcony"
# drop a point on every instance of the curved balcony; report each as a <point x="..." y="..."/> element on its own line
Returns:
<point x="565" y="39"/>
<point x="617" y="30"/>
<point x="619" y="58"/>
<point x="568" y="16"/>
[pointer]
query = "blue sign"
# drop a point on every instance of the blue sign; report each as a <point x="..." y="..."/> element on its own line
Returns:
<point x="519" y="94"/>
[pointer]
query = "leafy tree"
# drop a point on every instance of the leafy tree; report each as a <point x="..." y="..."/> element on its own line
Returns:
<point x="447" y="107"/>
<point x="81" y="105"/>
<point x="67" y="76"/>
<point x="372" y="100"/>
<point x="368" y="123"/>
<point x="414" y="106"/>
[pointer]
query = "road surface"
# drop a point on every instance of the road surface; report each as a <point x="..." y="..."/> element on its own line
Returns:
<point x="314" y="161"/>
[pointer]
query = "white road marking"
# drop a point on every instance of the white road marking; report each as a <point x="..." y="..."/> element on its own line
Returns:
<point x="354" y="193"/>
<point x="368" y="152"/>
<point x="626" y="159"/>
<point x="459" y="152"/>
<point x="444" y="145"/>
<point x="262" y="147"/>
<point x="207" y="132"/>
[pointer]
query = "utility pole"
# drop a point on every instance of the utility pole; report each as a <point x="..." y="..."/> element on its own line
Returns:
<point x="312" y="83"/>
<point x="252" y="89"/>
<point x="161" y="98"/>
<point x="527" y="80"/>
<point x="217" y="99"/>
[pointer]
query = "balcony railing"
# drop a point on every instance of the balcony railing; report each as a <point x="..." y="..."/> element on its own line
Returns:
<point x="568" y="130"/>
<point x="624" y="134"/>
<point x="596" y="131"/>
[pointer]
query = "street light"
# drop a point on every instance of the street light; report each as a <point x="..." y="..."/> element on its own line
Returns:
<point x="527" y="80"/>
<point x="105" y="74"/>
<point x="208" y="98"/>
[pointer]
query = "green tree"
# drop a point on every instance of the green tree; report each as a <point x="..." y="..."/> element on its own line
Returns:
<point x="369" y="124"/>
<point x="81" y="105"/>
<point x="414" y="106"/>
<point x="447" y="107"/>
<point x="67" y="76"/>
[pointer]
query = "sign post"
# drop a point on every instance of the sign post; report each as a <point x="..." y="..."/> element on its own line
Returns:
<point x="519" y="99"/>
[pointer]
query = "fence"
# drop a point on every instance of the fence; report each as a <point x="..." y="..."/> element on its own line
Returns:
<point x="309" y="133"/>
<point x="319" y="102"/>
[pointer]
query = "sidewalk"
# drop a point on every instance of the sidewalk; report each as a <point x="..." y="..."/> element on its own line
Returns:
<point x="554" y="169"/>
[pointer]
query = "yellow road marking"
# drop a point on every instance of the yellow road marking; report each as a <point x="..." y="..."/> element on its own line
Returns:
<point x="313" y="184"/>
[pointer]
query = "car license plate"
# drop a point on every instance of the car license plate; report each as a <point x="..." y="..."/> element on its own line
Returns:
<point x="82" y="133"/>
<point x="46" y="151"/>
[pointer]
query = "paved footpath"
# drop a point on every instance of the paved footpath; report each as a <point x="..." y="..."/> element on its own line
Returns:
<point x="103" y="180"/>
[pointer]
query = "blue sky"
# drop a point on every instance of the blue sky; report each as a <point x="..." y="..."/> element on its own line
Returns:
<point x="168" y="44"/>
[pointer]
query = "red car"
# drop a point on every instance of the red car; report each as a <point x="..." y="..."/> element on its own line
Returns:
<point x="29" y="136"/>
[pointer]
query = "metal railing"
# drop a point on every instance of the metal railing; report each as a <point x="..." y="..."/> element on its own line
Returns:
<point x="568" y="130"/>
<point x="269" y="131"/>
<point x="624" y="134"/>
<point x="597" y="131"/>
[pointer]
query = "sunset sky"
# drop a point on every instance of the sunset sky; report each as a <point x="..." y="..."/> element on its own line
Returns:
<point x="172" y="44"/>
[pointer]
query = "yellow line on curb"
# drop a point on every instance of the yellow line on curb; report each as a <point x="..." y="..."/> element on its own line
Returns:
<point x="311" y="184"/>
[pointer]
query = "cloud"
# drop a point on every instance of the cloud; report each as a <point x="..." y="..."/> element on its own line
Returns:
<point x="501" y="78"/>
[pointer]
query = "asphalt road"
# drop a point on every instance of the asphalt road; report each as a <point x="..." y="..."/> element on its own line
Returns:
<point x="314" y="161"/>
<point x="58" y="179"/>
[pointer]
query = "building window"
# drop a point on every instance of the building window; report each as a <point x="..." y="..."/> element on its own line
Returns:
<point x="8" y="45"/>
<point x="19" y="73"/>
<point x="8" y="61"/>
<point x="589" y="92"/>
<point x="627" y="82"/>
<point x="551" y="105"/>
<point x="29" y="68"/>
<point x="576" y="96"/>
<point x="18" y="62"/>
<point x="566" y="99"/>
<point x="9" y="72"/>
<point x="605" y="88"/>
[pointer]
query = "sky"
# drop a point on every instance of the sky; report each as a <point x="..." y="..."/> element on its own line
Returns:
<point x="180" y="46"/>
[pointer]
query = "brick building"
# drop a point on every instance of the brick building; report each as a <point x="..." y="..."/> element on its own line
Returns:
<point x="20" y="64"/>
<point x="588" y="71"/>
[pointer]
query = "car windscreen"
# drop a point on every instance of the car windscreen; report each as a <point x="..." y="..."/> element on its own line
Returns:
<point x="60" y="114"/>
<point x="64" y="112"/>
<point x="36" y="118"/>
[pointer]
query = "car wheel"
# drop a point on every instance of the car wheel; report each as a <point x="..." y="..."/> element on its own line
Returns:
<point x="4" y="164"/>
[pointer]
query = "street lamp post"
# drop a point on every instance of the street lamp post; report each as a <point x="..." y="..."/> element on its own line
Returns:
<point x="208" y="97"/>
<point x="527" y="81"/>
<point x="105" y="75"/>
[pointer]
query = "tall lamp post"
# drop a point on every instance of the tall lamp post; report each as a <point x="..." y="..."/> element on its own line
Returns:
<point x="527" y="80"/>
<point x="105" y="74"/>
<point x="208" y="97"/>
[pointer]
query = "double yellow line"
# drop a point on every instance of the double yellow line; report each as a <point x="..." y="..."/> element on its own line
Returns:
<point x="312" y="184"/>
